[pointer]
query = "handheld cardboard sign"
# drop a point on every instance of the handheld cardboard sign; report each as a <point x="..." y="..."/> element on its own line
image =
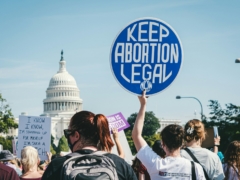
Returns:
<point x="211" y="133"/>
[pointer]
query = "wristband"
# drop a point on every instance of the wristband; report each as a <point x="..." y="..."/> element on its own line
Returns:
<point x="216" y="145"/>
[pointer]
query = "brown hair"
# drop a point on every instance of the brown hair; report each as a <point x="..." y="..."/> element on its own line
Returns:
<point x="232" y="157"/>
<point x="157" y="148"/>
<point x="93" y="129"/>
<point x="172" y="136"/>
<point x="194" y="129"/>
<point x="105" y="139"/>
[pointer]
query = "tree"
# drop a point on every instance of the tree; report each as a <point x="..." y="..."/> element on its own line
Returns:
<point x="151" y="125"/>
<point x="6" y="143"/>
<point x="6" y="117"/>
<point x="62" y="145"/>
<point x="227" y="120"/>
<point x="53" y="147"/>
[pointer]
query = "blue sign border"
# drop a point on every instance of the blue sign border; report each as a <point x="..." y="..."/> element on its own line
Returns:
<point x="139" y="19"/>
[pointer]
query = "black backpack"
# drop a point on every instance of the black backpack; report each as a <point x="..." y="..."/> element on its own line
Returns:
<point x="94" y="166"/>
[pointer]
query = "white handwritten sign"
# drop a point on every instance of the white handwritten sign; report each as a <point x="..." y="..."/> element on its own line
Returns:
<point x="34" y="131"/>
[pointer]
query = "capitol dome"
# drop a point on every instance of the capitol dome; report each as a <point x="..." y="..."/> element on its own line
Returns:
<point x="62" y="95"/>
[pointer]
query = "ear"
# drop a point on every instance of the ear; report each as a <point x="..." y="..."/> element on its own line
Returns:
<point x="77" y="135"/>
<point x="163" y="144"/>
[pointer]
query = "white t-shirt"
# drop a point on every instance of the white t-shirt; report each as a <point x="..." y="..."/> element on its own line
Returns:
<point x="232" y="173"/>
<point x="168" y="168"/>
<point x="209" y="160"/>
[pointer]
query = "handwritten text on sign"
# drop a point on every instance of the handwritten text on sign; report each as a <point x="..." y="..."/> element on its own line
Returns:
<point x="117" y="121"/>
<point x="34" y="131"/>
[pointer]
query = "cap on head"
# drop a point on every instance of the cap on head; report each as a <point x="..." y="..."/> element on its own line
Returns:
<point x="6" y="155"/>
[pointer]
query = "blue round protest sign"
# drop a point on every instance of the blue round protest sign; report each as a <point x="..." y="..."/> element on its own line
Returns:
<point x="146" y="54"/>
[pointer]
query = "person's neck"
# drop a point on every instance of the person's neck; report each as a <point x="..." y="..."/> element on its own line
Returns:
<point x="30" y="171"/>
<point x="194" y="144"/>
<point x="88" y="147"/>
<point x="175" y="153"/>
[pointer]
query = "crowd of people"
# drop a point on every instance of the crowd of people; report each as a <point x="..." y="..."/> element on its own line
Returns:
<point x="178" y="155"/>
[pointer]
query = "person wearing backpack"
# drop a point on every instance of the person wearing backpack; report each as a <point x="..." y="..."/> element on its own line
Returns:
<point x="194" y="136"/>
<point x="173" y="166"/>
<point x="86" y="134"/>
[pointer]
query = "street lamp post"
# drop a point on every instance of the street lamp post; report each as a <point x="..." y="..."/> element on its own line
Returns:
<point x="179" y="97"/>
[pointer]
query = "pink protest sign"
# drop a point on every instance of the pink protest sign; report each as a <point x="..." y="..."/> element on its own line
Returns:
<point x="117" y="121"/>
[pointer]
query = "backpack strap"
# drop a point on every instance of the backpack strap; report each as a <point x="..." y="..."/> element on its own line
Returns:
<point x="104" y="153"/>
<point x="193" y="171"/>
<point x="195" y="160"/>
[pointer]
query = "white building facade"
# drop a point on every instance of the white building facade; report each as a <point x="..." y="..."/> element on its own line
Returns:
<point x="166" y="122"/>
<point x="62" y="100"/>
<point x="61" y="103"/>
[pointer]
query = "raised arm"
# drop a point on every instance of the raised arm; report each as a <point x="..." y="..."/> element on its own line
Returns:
<point x="138" y="125"/>
<point x="118" y="144"/>
<point x="216" y="144"/>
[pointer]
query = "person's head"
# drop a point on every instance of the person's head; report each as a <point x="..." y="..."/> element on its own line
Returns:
<point x="232" y="154"/>
<point x="157" y="148"/>
<point x="29" y="158"/>
<point x="194" y="131"/>
<point x="6" y="156"/>
<point x="88" y="129"/>
<point x="172" y="137"/>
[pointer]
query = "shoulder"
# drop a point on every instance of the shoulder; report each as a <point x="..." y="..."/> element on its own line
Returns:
<point x="7" y="172"/>
<point x="124" y="170"/>
<point x="145" y="151"/>
<point x="54" y="168"/>
<point x="212" y="156"/>
<point x="6" y="169"/>
<point x="117" y="160"/>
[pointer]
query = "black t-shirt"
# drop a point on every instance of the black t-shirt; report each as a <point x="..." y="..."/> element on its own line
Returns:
<point x="124" y="170"/>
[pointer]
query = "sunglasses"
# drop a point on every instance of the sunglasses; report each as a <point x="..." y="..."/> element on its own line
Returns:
<point x="67" y="133"/>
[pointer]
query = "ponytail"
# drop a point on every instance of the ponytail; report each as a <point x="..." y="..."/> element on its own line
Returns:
<point x="105" y="140"/>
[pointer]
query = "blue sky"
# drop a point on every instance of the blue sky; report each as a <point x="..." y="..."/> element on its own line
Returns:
<point x="33" y="33"/>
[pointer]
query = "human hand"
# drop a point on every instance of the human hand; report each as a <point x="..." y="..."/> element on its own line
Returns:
<point x="217" y="140"/>
<point x="143" y="98"/>
<point x="49" y="155"/>
<point x="115" y="133"/>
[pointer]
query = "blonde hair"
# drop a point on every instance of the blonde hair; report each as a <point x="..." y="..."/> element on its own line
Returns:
<point x="194" y="130"/>
<point x="29" y="158"/>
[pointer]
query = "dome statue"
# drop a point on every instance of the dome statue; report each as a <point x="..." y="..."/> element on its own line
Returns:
<point x="62" y="94"/>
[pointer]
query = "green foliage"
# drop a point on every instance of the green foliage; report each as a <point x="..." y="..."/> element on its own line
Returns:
<point x="151" y="139"/>
<point x="151" y="125"/>
<point x="62" y="145"/>
<point x="6" y="143"/>
<point x="227" y="120"/>
<point x="52" y="150"/>
<point x="128" y="134"/>
<point x="6" y="117"/>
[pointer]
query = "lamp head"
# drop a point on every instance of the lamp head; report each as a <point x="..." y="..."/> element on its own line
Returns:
<point x="178" y="97"/>
<point x="237" y="60"/>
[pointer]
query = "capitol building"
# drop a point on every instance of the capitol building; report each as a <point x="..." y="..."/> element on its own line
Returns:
<point x="61" y="103"/>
